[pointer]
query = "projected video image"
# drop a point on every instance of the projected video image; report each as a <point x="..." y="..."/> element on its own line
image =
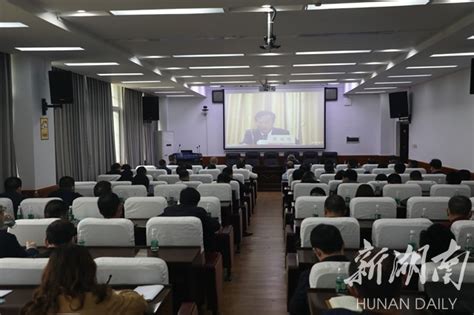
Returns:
<point x="274" y="120"/>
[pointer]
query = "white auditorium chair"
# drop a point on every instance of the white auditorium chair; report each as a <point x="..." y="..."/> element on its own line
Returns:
<point x="402" y="191"/>
<point x="147" y="167"/>
<point x="369" y="167"/>
<point x="244" y="172"/>
<point x="347" y="190"/>
<point x="325" y="178"/>
<point x="460" y="230"/>
<point x="239" y="177"/>
<point x="293" y="183"/>
<point x="220" y="190"/>
<point x="438" y="178"/>
<point x="155" y="183"/>
<point x="170" y="179"/>
<point x="433" y="208"/>
<point x="155" y="173"/>
<point x="395" y="233"/>
<point x="366" y="178"/>
<point x="172" y="168"/>
<point x="176" y="231"/>
<point x="120" y="183"/>
<point x="220" y="167"/>
<point x="309" y="206"/>
<point x="196" y="169"/>
<point x="441" y="271"/>
<point x="386" y="171"/>
<point x="203" y="178"/>
<point x="341" y="167"/>
<point x="22" y="271"/>
<point x="80" y="183"/>
<point x="86" y="207"/>
<point x="169" y="191"/>
<point x="108" y="177"/>
<point x="213" y="172"/>
<point x="472" y="202"/>
<point x="144" y="207"/>
<point x="424" y="184"/>
<point x="247" y="167"/>
<point x="316" y="166"/>
<point x="318" y="172"/>
<point x="405" y="177"/>
<point x="85" y="190"/>
<point x="349" y="228"/>
<point x="304" y="189"/>
<point x="35" y="206"/>
<point x="333" y="184"/>
<point x="190" y="183"/>
<point x="377" y="186"/>
<point x="150" y="178"/>
<point x="146" y="270"/>
<point x="323" y="274"/>
<point x="367" y="207"/>
<point x="8" y="205"/>
<point x="212" y="205"/>
<point x="445" y="190"/>
<point x="125" y="192"/>
<point x="235" y="190"/>
<point x="469" y="183"/>
<point x="408" y="170"/>
<point x="106" y="232"/>
<point x="359" y="170"/>
<point x="31" y="230"/>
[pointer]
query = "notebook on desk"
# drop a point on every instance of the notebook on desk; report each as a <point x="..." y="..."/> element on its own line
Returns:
<point x="149" y="292"/>
<point x="346" y="301"/>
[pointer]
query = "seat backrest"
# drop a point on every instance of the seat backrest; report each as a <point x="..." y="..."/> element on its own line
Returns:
<point x="156" y="172"/>
<point x="433" y="208"/>
<point x="377" y="186"/>
<point x="442" y="271"/>
<point x="318" y="172"/>
<point x="460" y="230"/>
<point x="35" y="206"/>
<point x="126" y="192"/>
<point x="239" y="177"/>
<point x="469" y="183"/>
<point x="395" y="233"/>
<point x="31" y="230"/>
<point x="386" y="171"/>
<point x="235" y="189"/>
<point x="405" y="177"/>
<point x="144" y="207"/>
<point x="359" y="170"/>
<point x="86" y="207"/>
<point x="244" y="172"/>
<point x="248" y="167"/>
<point x="366" y="178"/>
<point x="146" y="270"/>
<point x="21" y="271"/>
<point x="450" y="190"/>
<point x="8" y="205"/>
<point x="220" y="167"/>
<point x="176" y="231"/>
<point x="341" y="167"/>
<point x="170" y="179"/>
<point x="85" y="190"/>
<point x="369" y="167"/>
<point x="106" y="232"/>
<point x="121" y="183"/>
<point x="401" y="191"/>
<point x="191" y="183"/>
<point x="108" y="177"/>
<point x="203" y="178"/>
<point x="304" y="189"/>
<point x="169" y="191"/>
<point x="325" y="178"/>
<point x="408" y="170"/>
<point x="309" y="206"/>
<point x="438" y="178"/>
<point x="349" y="228"/>
<point x="213" y="172"/>
<point x="347" y="190"/>
<point x="293" y="183"/>
<point x="368" y="207"/>
<point x="424" y="184"/>
<point x="196" y="168"/>
<point x="220" y="190"/>
<point x="212" y="205"/>
<point x="323" y="274"/>
<point x="333" y="184"/>
<point x="148" y="167"/>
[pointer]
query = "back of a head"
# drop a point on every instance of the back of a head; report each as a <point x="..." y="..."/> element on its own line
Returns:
<point x="329" y="167"/>
<point x="460" y="206"/>
<point x="318" y="192"/>
<point x="291" y="157"/>
<point x="115" y="167"/>
<point x="350" y="175"/>
<point x="298" y="174"/>
<point x="365" y="190"/>
<point x="290" y="164"/>
<point x="394" y="179"/>
<point x="352" y="164"/>
<point x="101" y="188"/>
<point x="224" y="178"/>
<point x="228" y="170"/>
<point x="12" y="184"/>
<point x="438" y="237"/>
<point x="183" y="175"/>
<point x="453" y="178"/>
<point x="336" y="205"/>
<point x="181" y="169"/>
<point x="189" y="197"/>
<point x="56" y="209"/>
<point x="339" y="175"/>
<point x="66" y="183"/>
<point x="211" y="167"/>
<point x="416" y="175"/>
<point x="60" y="232"/>
<point x="162" y="163"/>
<point x="465" y="174"/>
<point x="382" y="165"/>
<point x="240" y="163"/>
<point x="327" y="238"/>
<point x="436" y="164"/>
<point x="108" y="205"/>
<point x="213" y="160"/>
<point x="141" y="171"/>
<point x="306" y="167"/>
<point x="400" y="168"/>
<point x="126" y="167"/>
<point x="381" y="177"/>
<point x="309" y="177"/>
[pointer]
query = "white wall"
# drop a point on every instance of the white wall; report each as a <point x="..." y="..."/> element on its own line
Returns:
<point x="443" y="121"/>
<point x="35" y="157"/>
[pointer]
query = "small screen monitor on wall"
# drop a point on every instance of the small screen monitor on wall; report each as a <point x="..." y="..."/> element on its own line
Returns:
<point x="399" y="107"/>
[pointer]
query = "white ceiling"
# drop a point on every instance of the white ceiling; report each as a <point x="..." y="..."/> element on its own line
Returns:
<point x="426" y="29"/>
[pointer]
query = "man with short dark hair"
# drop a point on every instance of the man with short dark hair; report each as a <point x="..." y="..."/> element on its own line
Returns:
<point x="416" y="175"/>
<point x="328" y="245"/>
<point x="223" y="178"/>
<point x="400" y="168"/>
<point x="264" y="121"/>
<point x="453" y="178"/>
<point x="436" y="166"/>
<point x="189" y="199"/>
<point x="334" y="207"/>
<point x="464" y="174"/>
<point x="115" y="169"/>
<point x="110" y="206"/>
<point x="60" y="232"/>
<point x="183" y="175"/>
<point x="162" y="166"/>
<point x="66" y="190"/>
<point x="56" y="209"/>
<point x="102" y="188"/>
<point x="350" y="176"/>
<point x="13" y="192"/>
<point x="394" y="179"/>
<point x="459" y="208"/>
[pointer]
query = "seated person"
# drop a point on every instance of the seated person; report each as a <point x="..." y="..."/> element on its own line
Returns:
<point x="162" y="166"/>
<point x="400" y="168"/>
<point x="394" y="179"/>
<point x="292" y="158"/>
<point x="141" y="178"/>
<point x="381" y="178"/>
<point x="438" y="237"/>
<point x="352" y="164"/>
<point x="66" y="190"/>
<point x="264" y="121"/>
<point x="382" y="165"/>
<point x="459" y="208"/>
<point x="127" y="174"/>
<point x="241" y="165"/>
<point x="183" y="175"/>
<point x="212" y="163"/>
<point x="9" y="246"/>
<point x="58" y="233"/>
<point x="350" y="176"/>
<point x="334" y="207"/>
<point x="110" y="206"/>
<point x="101" y="188"/>
<point x="328" y="245"/>
<point x="290" y="165"/>
<point x="453" y="178"/>
<point x="13" y="192"/>
<point x="223" y="178"/>
<point x="172" y="160"/>
<point x="309" y="177"/>
<point x="56" y="209"/>
<point x="189" y="199"/>
<point x="436" y="166"/>
<point x="69" y="286"/>
<point x="416" y="175"/>
<point x="329" y="167"/>
<point x="115" y="169"/>
<point x="339" y="175"/>
<point x="298" y="174"/>
<point x="317" y="192"/>
<point x="464" y="174"/>
<point x="365" y="190"/>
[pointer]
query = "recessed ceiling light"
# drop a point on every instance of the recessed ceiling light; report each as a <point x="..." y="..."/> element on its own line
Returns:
<point x="173" y="68"/>
<point x="196" y="83"/>
<point x="375" y="63"/>
<point x="139" y="82"/>
<point x="332" y="52"/>
<point x="233" y="82"/>
<point x="153" y="57"/>
<point x="218" y="67"/>
<point x="390" y="50"/>
<point x="168" y="11"/>
<point x="225" y="75"/>
<point x="381" y="88"/>
<point x="208" y="55"/>
<point x="272" y="75"/>
<point x="184" y="76"/>
<point x="49" y="48"/>
<point x="318" y="73"/>
<point x="325" y="64"/>
<point x="269" y="54"/>
<point x="273" y="81"/>
<point x="432" y="67"/>
<point x="157" y="87"/>
<point x="463" y="54"/>
<point x="90" y="64"/>
<point x="472" y="37"/>
<point x="272" y="66"/>
<point x="361" y="72"/>
<point x="170" y="92"/>
<point x="81" y="11"/>
<point x="179" y="95"/>
<point x="372" y="92"/>
<point x="351" y="79"/>
<point x="399" y="82"/>
<point x="333" y="83"/>
<point x="366" y="5"/>
<point x="119" y="74"/>
<point x="410" y="76"/>
<point x="313" y="80"/>
<point x="12" y="25"/>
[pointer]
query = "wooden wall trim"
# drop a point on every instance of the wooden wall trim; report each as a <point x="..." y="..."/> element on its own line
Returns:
<point x="40" y="193"/>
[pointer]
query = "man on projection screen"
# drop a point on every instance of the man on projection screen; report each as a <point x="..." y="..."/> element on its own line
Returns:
<point x="264" y="121"/>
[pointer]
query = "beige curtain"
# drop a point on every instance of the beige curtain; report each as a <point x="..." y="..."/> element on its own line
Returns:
<point x="134" y="137"/>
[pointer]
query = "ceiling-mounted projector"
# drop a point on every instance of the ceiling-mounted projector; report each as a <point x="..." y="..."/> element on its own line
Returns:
<point x="270" y="38"/>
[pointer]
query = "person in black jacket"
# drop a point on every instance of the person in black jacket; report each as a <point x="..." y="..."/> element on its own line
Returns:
<point x="66" y="190"/>
<point x="127" y="174"/>
<point x="58" y="233"/>
<point x="141" y="178"/>
<point x="162" y="166"/>
<point x="188" y="207"/>
<point x="114" y="169"/>
<point x="9" y="246"/>
<point x="13" y="192"/>
<point x="328" y="245"/>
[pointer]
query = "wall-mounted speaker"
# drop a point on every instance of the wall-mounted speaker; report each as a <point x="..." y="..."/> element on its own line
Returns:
<point x="151" y="108"/>
<point x="330" y="94"/>
<point x="60" y="87"/>
<point x="218" y="97"/>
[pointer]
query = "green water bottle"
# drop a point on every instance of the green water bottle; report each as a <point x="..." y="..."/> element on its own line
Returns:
<point x="19" y="214"/>
<point x="340" y="285"/>
<point x="154" y="245"/>
<point x="412" y="241"/>
<point x="377" y="212"/>
<point x="71" y="215"/>
<point x="80" y="239"/>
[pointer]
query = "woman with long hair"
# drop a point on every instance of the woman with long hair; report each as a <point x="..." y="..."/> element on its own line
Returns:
<point x="69" y="285"/>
